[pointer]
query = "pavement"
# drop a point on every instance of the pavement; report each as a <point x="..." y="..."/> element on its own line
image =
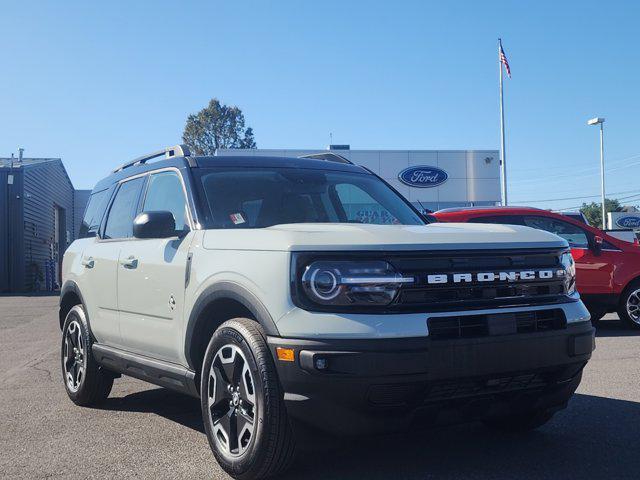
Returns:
<point x="143" y="431"/>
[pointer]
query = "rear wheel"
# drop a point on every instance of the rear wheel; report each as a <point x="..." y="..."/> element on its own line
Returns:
<point x="522" y="422"/>
<point x="629" y="309"/>
<point x="85" y="381"/>
<point x="242" y="403"/>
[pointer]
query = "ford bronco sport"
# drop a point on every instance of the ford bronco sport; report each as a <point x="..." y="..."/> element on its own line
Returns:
<point x="289" y="293"/>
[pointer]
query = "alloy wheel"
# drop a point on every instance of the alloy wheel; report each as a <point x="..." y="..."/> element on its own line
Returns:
<point x="231" y="400"/>
<point x="633" y="306"/>
<point x="74" y="356"/>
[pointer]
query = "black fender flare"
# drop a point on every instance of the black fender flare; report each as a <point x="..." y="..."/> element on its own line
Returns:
<point x="71" y="286"/>
<point x="228" y="291"/>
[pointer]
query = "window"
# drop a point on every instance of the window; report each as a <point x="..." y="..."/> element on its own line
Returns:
<point x="359" y="207"/>
<point x="261" y="197"/>
<point x="165" y="193"/>
<point x="574" y="235"/>
<point x="123" y="209"/>
<point x="498" y="219"/>
<point x="93" y="214"/>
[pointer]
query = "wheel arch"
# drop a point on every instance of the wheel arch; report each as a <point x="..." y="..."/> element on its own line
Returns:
<point x="69" y="297"/>
<point x="216" y="304"/>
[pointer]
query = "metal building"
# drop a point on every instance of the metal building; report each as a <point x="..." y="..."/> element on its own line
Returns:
<point x="430" y="179"/>
<point x="39" y="211"/>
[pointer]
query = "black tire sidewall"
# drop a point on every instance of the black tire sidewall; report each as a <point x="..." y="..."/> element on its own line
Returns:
<point x="95" y="385"/>
<point x="622" y="309"/>
<point x="233" y="332"/>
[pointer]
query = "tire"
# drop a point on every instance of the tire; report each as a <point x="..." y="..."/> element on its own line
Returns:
<point x="84" y="380"/>
<point x="629" y="308"/>
<point x="239" y="386"/>
<point x="522" y="422"/>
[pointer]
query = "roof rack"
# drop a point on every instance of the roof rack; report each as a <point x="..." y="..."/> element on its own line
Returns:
<point x="328" y="156"/>
<point x="169" y="152"/>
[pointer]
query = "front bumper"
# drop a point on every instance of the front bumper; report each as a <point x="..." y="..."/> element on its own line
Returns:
<point x="350" y="386"/>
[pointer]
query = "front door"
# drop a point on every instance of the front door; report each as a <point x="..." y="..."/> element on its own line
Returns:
<point x="151" y="276"/>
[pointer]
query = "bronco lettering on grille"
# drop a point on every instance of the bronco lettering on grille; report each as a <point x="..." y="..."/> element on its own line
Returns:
<point x="494" y="276"/>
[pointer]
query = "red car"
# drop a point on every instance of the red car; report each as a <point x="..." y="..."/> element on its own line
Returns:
<point x="607" y="269"/>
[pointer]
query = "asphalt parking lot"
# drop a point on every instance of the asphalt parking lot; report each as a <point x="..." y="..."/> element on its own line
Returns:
<point x="147" y="432"/>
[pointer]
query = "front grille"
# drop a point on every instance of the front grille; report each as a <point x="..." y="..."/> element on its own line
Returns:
<point x="475" y="326"/>
<point x="476" y="293"/>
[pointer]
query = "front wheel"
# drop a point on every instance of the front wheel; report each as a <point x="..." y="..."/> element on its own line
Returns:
<point x="629" y="309"/>
<point x="242" y="403"/>
<point x="85" y="381"/>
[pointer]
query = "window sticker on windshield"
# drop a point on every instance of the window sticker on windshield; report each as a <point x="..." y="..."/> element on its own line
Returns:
<point x="237" y="218"/>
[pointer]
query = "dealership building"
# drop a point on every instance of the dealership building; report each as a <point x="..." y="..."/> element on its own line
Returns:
<point x="430" y="179"/>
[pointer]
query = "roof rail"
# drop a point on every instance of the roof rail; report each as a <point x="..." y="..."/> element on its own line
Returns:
<point x="328" y="156"/>
<point x="169" y="152"/>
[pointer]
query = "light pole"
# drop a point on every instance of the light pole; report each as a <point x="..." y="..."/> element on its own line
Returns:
<point x="600" y="121"/>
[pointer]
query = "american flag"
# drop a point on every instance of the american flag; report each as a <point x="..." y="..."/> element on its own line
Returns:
<point x="504" y="61"/>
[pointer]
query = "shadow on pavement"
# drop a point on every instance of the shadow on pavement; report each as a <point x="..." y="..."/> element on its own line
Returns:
<point x="615" y="328"/>
<point x="594" y="438"/>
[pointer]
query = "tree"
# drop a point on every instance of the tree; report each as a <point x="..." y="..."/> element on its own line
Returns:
<point x="593" y="210"/>
<point x="217" y="126"/>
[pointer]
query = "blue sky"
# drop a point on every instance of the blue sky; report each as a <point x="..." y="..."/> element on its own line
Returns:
<point x="97" y="84"/>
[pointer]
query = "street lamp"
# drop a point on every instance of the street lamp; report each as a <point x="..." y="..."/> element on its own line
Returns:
<point x="600" y="121"/>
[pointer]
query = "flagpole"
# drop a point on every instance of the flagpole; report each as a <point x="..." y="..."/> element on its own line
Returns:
<point x="503" y="164"/>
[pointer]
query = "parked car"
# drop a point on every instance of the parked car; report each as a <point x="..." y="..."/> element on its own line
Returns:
<point x="608" y="269"/>
<point x="288" y="292"/>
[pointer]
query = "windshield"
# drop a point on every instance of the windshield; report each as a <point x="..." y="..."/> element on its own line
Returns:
<point x="261" y="197"/>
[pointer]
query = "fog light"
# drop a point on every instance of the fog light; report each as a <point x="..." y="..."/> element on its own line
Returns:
<point x="321" y="363"/>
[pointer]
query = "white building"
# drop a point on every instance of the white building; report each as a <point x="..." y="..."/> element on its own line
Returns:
<point x="436" y="179"/>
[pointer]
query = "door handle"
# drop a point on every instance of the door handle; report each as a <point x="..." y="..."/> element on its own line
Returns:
<point x="131" y="262"/>
<point x="88" y="262"/>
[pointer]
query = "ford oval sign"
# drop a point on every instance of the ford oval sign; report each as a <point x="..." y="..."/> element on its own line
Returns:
<point x="423" y="176"/>
<point x="628" y="222"/>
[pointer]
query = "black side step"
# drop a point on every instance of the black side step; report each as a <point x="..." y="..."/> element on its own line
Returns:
<point x="148" y="369"/>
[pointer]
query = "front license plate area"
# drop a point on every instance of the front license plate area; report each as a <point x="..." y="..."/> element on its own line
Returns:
<point x="502" y="324"/>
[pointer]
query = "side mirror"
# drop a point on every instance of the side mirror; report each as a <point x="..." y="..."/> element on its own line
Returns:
<point x="597" y="245"/>
<point x="154" y="225"/>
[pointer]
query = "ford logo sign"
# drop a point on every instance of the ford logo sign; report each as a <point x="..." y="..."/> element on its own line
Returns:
<point x="628" y="222"/>
<point x="423" y="176"/>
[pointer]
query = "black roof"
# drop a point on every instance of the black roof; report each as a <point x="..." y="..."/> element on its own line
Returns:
<point x="244" y="161"/>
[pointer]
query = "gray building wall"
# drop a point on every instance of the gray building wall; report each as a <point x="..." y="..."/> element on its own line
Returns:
<point x="38" y="221"/>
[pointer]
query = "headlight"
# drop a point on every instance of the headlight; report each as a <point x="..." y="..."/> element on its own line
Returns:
<point x="569" y="267"/>
<point x="347" y="283"/>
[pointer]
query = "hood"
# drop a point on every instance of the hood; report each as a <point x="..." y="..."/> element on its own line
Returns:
<point x="340" y="236"/>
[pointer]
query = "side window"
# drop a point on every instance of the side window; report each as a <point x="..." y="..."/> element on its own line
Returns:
<point x="359" y="207"/>
<point x="498" y="219"/>
<point x="93" y="214"/>
<point x="123" y="209"/>
<point x="165" y="193"/>
<point x="571" y="233"/>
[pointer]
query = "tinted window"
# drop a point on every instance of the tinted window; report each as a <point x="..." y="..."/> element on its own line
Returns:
<point x="498" y="219"/>
<point x="93" y="214"/>
<point x="165" y="193"/>
<point x="123" y="210"/>
<point x="571" y="233"/>
<point x="261" y="197"/>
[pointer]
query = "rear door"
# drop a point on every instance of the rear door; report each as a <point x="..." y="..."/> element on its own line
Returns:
<point x="594" y="273"/>
<point x="151" y="275"/>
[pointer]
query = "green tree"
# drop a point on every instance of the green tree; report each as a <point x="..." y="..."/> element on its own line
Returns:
<point x="593" y="210"/>
<point x="217" y="126"/>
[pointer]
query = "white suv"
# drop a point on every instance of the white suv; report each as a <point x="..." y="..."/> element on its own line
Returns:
<point x="289" y="292"/>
